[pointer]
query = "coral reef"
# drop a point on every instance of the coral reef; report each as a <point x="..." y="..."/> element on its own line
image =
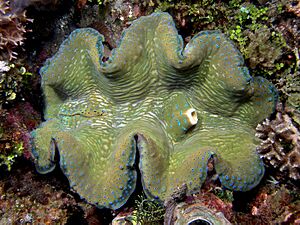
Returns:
<point x="16" y="123"/>
<point x="289" y="86"/>
<point x="46" y="205"/>
<point x="92" y="18"/>
<point x="260" y="49"/>
<point x="294" y="8"/>
<point x="252" y="26"/>
<point x="12" y="29"/>
<point x="206" y="14"/>
<point x="30" y="198"/>
<point x="110" y="18"/>
<point x="280" y="147"/>
<point x="100" y="115"/>
<point x="289" y="29"/>
<point x="26" y="198"/>
<point x="13" y="80"/>
<point x="262" y="46"/>
<point x="276" y="205"/>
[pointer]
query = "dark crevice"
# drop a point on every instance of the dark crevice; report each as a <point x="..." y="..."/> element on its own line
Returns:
<point x="199" y="222"/>
<point x="241" y="199"/>
<point x="139" y="187"/>
<point x="76" y="216"/>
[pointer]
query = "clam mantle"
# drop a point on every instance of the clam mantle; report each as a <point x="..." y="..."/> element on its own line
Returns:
<point x="174" y="107"/>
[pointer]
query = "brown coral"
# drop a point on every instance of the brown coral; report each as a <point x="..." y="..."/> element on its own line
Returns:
<point x="289" y="86"/>
<point x="262" y="49"/>
<point x="280" y="147"/>
<point x="12" y="29"/>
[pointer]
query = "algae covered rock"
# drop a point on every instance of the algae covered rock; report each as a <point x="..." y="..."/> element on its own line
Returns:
<point x="173" y="106"/>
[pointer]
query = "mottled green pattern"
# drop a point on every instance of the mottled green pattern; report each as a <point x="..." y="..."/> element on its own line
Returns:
<point x="99" y="114"/>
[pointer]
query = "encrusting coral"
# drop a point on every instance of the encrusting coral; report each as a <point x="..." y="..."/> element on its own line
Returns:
<point x="176" y="108"/>
<point x="280" y="147"/>
<point x="12" y="29"/>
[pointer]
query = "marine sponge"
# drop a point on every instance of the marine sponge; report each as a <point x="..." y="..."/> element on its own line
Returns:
<point x="280" y="147"/>
<point x="12" y="29"/>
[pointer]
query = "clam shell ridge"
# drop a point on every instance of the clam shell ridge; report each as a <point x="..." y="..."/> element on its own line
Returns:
<point x="100" y="115"/>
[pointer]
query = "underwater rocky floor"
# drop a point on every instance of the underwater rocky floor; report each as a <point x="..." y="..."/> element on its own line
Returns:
<point x="29" y="198"/>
